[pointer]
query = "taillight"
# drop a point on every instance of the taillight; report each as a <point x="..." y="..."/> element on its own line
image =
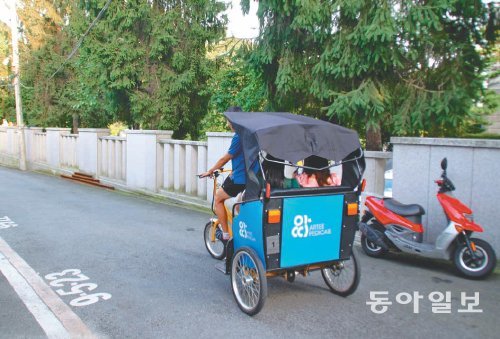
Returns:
<point x="273" y="216"/>
<point x="352" y="208"/>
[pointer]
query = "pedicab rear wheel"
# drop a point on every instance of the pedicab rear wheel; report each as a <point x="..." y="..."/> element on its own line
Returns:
<point x="216" y="248"/>
<point x="343" y="277"/>
<point x="248" y="281"/>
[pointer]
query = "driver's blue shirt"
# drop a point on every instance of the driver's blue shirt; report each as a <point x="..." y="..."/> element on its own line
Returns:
<point x="238" y="162"/>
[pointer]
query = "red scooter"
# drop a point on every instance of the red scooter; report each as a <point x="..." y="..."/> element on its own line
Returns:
<point x="388" y="224"/>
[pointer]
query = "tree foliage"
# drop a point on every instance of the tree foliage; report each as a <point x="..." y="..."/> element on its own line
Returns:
<point x="384" y="67"/>
<point x="6" y="94"/>
<point x="410" y="67"/>
<point x="144" y="63"/>
<point x="234" y="83"/>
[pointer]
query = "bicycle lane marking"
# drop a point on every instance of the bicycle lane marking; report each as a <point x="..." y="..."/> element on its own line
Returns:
<point x="52" y="314"/>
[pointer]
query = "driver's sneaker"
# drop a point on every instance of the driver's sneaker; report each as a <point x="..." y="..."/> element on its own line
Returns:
<point x="220" y="236"/>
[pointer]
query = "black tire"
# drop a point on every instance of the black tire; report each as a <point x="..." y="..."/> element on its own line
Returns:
<point x="216" y="248"/>
<point x="343" y="277"/>
<point x="248" y="281"/>
<point x="371" y="249"/>
<point x="479" y="268"/>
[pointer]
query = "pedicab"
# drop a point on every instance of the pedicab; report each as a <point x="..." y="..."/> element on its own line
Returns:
<point x="284" y="232"/>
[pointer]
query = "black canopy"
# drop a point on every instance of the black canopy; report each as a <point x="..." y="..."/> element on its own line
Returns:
<point x="291" y="137"/>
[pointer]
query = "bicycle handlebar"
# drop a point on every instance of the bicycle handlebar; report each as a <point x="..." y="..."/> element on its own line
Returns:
<point x="215" y="174"/>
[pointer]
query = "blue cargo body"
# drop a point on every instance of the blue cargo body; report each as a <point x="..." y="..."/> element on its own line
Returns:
<point x="311" y="230"/>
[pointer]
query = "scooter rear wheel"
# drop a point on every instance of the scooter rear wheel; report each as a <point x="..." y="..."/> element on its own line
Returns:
<point x="477" y="268"/>
<point x="371" y="249"/>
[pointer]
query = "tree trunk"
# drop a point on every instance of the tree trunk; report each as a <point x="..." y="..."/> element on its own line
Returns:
<point x="74" y="130"/>
<point x="373" y="138"/>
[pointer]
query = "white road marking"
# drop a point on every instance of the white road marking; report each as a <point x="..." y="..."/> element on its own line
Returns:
<point x="54" y="316"/>
<point x="47" y="320"/>
<point x="6" y="222"/>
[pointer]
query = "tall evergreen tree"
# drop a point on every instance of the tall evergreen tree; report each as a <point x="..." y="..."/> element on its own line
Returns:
<point x="410" y="67"/>
<point x="143" y="63"/>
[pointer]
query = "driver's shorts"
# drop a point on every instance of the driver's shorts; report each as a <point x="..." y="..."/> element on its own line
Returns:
<point x="231" y="188"/>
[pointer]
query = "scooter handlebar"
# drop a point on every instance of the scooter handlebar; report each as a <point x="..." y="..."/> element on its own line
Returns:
<point x="445" y="184"/>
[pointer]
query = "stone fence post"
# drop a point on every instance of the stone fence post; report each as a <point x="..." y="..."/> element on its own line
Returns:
<point x="9" y="146"/>
<point x="145" y="159"/>
<point x="87" y="148"/>
<point x="376" y="163"/>
<point x="30" y="142"/>
<point x="53" y="146"/>
<point x="217" y="145"/>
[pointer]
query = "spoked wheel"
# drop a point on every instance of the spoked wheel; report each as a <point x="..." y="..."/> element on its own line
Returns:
<point x="342" y="277"/>
<point x="248" y="280"/>
<point x="215" y="247"/>
<point x="480" y="266"/>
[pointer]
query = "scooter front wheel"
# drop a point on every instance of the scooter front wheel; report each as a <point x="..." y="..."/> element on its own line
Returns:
<point x="475" y="268"/>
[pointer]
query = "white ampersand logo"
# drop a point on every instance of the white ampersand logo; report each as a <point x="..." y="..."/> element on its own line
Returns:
<point x="243" y="229"/>
<point x="301" y="228"/>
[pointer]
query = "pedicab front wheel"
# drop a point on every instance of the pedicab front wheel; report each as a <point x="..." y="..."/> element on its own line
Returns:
<point x="215" y="247"/>
<point x="248" y="280"/>
<point x="343" y="277"/>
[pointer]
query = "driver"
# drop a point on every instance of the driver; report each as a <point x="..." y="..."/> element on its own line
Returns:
<point x="234" y="183"/>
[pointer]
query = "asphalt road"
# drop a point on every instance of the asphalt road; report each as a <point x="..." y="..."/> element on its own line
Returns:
<point x="147" y="258"/>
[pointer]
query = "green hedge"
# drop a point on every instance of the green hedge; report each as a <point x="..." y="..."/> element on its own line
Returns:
<point x="481" y="136"/>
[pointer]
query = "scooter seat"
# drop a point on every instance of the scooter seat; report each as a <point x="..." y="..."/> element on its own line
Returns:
<point x="402" y="209"/>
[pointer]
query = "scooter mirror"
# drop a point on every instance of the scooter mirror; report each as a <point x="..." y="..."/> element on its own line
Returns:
<point x="444" y="164"/>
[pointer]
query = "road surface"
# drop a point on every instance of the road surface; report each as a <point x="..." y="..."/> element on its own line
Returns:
<point x="75" y="259"/>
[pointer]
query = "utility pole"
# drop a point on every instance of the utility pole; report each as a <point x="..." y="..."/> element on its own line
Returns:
<point x="16" y="82"/>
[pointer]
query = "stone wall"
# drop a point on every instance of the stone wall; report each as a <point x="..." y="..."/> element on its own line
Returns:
<point x="474" y="168"/>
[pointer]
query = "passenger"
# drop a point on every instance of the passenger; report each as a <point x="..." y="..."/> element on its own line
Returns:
<point x="229" y="203"/>
<point x="275" y="176"/>
<point x="275" y="173"/>
<point x="317" y="178"/>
